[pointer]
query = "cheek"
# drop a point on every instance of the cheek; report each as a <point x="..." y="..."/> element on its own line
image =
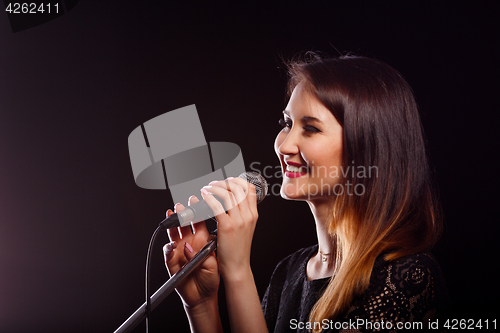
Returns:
<point x="313" y="153"/>
<point x="325" y="160"/>
<point x="337" y="156"/>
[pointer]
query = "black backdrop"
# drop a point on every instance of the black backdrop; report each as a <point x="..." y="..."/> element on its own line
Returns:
<point x="74" y="227"/>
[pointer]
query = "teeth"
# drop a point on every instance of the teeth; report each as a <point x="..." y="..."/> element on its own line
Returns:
<point x="292" y="168"/>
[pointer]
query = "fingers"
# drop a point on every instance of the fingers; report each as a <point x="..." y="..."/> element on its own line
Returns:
<point x="213" y="203"/>
<point x="238" y="186"/>
<point x="174" y="260"/>
<point x="200" y="229"/>
<point x="243" y="190"/>
<point x="186" y="230"/>
<point x="168" y="251"/>
<point x="184" y="242"/>
<point x="232" y="191"/>
<point x="173" y="233"/>
<point x="188" y="251"/>
<point x="177" y="235"/>
<point x="171" y="262"/>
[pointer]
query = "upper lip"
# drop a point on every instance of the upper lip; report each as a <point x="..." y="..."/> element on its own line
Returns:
<point x="294" y="164"/>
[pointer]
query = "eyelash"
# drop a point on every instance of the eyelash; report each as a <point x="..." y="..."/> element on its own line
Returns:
<point x="288" y="124"/>
<point x="285" y="123"/>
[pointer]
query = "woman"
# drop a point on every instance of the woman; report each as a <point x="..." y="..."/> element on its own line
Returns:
<point x="352" y="147"/>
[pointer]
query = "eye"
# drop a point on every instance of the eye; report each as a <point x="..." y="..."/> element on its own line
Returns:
<point x="285" y="123"/>
<point x="311" y="129"/>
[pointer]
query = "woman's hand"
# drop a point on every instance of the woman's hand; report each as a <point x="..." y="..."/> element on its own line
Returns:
<point x="234" y="240"/>
<point x="200" y="287"/>
<point x="235" y="229"/>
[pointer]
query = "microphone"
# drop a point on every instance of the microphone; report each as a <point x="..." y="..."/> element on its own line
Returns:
<point x="200" y="210"/>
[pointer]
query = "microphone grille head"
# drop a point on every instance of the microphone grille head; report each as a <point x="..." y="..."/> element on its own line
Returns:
<point x="258" y="181"/>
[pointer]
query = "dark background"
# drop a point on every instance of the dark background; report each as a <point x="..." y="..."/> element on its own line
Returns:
<point x="74" y="227"/>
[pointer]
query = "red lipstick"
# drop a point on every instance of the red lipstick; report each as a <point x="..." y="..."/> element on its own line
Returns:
<point x="295" y="174"/>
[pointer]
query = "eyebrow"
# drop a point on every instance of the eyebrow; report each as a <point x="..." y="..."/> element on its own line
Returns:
<point x="304" y="118"/>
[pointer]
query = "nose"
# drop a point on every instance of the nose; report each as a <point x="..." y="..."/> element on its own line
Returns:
<point x="286" y="143"/>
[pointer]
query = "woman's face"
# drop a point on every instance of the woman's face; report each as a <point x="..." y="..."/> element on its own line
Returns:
<point x="309" y="148"/>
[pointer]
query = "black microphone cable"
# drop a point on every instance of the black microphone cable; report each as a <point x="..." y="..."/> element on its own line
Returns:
<point x="147" y="277"/>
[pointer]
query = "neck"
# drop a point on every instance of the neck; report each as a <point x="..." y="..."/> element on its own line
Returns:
<point x="317" y="266"/>
<point x="322" y="215"/>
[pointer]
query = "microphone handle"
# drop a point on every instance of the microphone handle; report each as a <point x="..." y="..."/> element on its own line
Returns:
<point x="200" y="211"/>
<point x="197" y="212"/>
<point x="140" y="314"/>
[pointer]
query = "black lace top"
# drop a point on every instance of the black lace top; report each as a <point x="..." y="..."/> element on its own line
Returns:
<point x="407" y="291"/>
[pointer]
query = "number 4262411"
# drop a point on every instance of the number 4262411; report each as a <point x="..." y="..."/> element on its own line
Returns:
<point x="32" y="8"/>
<point x="470" y="324"/>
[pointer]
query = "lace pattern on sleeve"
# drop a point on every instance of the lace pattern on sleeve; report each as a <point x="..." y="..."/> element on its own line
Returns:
<point x="400" y="291"/>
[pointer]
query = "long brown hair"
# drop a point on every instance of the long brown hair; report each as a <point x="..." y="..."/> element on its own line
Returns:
<point x="398" y="213"/>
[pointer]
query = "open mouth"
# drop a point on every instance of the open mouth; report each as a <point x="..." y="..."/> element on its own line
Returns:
<point x="295" y="170"/>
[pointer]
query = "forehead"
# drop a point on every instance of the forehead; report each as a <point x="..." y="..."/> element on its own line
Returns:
<point x="302" y="103"/>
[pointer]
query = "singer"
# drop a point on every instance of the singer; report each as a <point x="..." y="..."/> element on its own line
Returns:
<point x="371" y="264"/>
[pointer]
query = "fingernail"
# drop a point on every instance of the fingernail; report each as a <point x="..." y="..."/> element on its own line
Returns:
<point x="208" y="186"/>
<point x="190" y="249"/>
<point x="229" y="178"/>
<point x="204" y="192"/>
<point x="169" y="247"/>
<point x="213" y="182"/>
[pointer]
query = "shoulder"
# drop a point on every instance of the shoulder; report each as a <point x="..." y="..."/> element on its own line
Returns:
<point x="410" y="288"/>
<point x="409" y="275"/>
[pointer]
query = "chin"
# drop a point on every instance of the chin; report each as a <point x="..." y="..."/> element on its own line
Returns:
<point x="292" y="198"/>
<point x="291" y="194"/>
